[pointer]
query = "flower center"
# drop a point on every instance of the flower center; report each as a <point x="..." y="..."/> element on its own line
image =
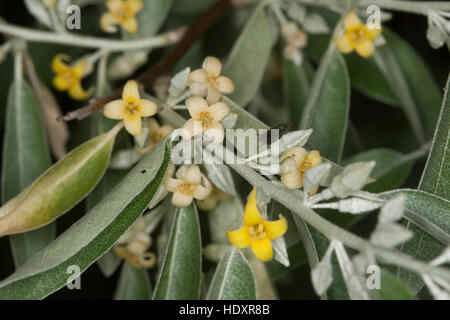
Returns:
<point x="304" y="166"/>
<point x="68" y="77"/>
<point x="359" y="36"/>
<point x="206" y="119"/>
<point x="257" y="232"/>
<point x="122" y="13"/>
<point x="187" y="188"/>
<point x="132" y="108"/>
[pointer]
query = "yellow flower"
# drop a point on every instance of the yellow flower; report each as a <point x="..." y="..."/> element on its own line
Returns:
<point x="294" y="164"/>
<point x="68" y="78"/>
<point x="256" y="232"/>
<point x="206" y="118"/>
<point x="207" y="82"/>
<point x="156" y="134"/>
<point x="134" y="244"/>
<point x="357" y="36"/>
<point x="130" y="108"/>
<point x="49" y="3"/>
<point x="121" y="12"/>
<point x="213" y="199"/>
<point x="187" y="185"/>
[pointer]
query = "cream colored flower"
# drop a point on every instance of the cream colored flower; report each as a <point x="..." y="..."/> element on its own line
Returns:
<point x="130" y="108"/>
<point x="134" y="244"/>
<point x="123" y="13"/>
<point x="207" y="82"/>
<point x="294" y="163"/>
<point x="156" y="134"/>
<point x="296" y="40"/>
<point x="206" y="118"/>
<point x="49" y="3"/>
<point x="187" y="185"/>
<point x="213" y="199"/>
<point x="357" y="37"/>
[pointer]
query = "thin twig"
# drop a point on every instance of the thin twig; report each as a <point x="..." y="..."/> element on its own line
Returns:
<point x="195" y="31"/>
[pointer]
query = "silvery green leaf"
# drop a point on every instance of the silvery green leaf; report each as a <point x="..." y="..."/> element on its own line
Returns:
<point x="215" y="252"/>
<point x="124" y="159"/>
<point x="179" y="82"/>
<point x="134" y="284"/>
<point x="292" y="139"/>
<point x="226" y="216"/>
<point x="352" y="205"/>
<point x="444" y="258"/>
<point x="230" y="120"/>
<point x="315" y="24"/>
<point x="295" y="11"/>
<point x="316" y="176"/>
<point x="390" y="235"/>
<point x="109" y="263"/>
<point x="435" y="290"/>
<point x="153" y="218"/>
<point x="322" y="273"/>
<point x="392" y="210"/>
<point x="233" y="279"/>
<point x="351" y="179"/>
<point x="435" y="37"/>
<point x="220" y="176"/>
<point x="281" y="255"/>
<point x="37" y="9"/>
<point x="354" y="284"/>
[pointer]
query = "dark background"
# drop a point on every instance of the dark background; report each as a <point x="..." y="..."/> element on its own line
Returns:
<point x="364" y="113"/>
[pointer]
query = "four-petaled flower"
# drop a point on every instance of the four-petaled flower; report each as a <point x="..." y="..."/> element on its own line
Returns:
<point x="294" y="164"/>
<point x="130" y="108"/>
<point x="206" y="118"/>
<point x="257" y="232"/>
<point x="357" y="37"/>
<point x="121" y="12"/>
<point x="133" y="246"/>
<point x="156" y="134"/>
<point x="207" y="82"/>
<point x="187" y="185"/>
<point x="68" y="78"/>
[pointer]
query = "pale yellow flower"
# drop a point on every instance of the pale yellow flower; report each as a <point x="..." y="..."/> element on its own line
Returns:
<point x="187" y="185"/>
<point x="213" y="199"/>
<point x="134" y="244"/>
<point x="123" y="13"/>
<point x="156" y="134"/>
<point x="294" y="164"/>
<point x="206" y="118"/>
<point x="257" y="232"/>
<point x="49" y="3"/>
<point x="357" y="37"/>
<point x="207" y="81"/>
<point x="130" y="108"/>
<point x="68" y="78"/>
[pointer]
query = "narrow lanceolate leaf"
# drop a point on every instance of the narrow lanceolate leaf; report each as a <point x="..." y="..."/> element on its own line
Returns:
<point x="392" y="288"/>
<point x="134" y="284"/>
<point x="436" y="176"/>
<point x="390" y="171"/>
<point x="250" y="55"/>
<point x="60" y="188"/>
<point x="327" y="108"/>
<point x="92" y="235"/>
<point x="179" y="274"/>
<point x="428" y="217"/>
<point x="25" y="157"/>
<point x="296" y="88"/>
<point x="233" y="279"/>
<point x="152" y="16"/>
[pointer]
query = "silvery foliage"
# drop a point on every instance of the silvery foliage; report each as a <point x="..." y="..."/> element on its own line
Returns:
<point x="179" y="83"/>
<point x="388" y="233"/>
<point x="124" y="159"/>
<point x="216" y="251"/>
<point x="438" y="288"/>
<point x="315" y="176"/>
<point x="41" y="13"/>
<point x="351" y="205"/>
<point x="438" y="32"/>
<point x="351" y="179"/>
<point x="311" y="22"/>
<point x="322" y="273"/>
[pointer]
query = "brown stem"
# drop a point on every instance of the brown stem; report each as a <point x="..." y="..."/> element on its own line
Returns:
<point x="194" y="32"/>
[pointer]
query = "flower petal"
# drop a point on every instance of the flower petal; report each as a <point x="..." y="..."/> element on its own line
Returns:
<point x="193" y="175"/>
<point x="275" y="229"/>
<point x="240" y="238"/>
<point x="262" y="249"/>
<point x="352" y="22"/>
<point x="299" y="154"/>
<point x="77" y="92"/>
<point x="218" y="111"/>
<point x="212" y="66"/>
<point x="192" y="126"/>
<point x="130" y="92"/>
<point x="292" y="180"/>
<point x="58" y="65"/>
<point x="181" y="200"/>
<point x="135" y="5"/>
<point x="60" y="83"/>
<point x="251" y="213"/>
<point x="107" y="22"/>
<point x="365" y="49"/>
<point x="372" y="33"/>
<point x="344" y="44"/>
<point x="130" y="25"/>
<point x="166" y="130"/>
<point x="79" y="68"/>
<point x="215" y="132"/>
<point x="201" y="193"/>
<point x="213" y="95"/>
<point x="114" y="5"/>
<point x="171" y="184"/>
<point x="153" y="125"/>
<point x="147" y="108"/>
<point x="198" y="75"/>
<point x="196" y="105"/>
<point x="115" y="109"/>
<point x="224" y="84"/>
<point x="133" y="124"/>
<point x="314" y="158"/>
<point x="208" y="204"/>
